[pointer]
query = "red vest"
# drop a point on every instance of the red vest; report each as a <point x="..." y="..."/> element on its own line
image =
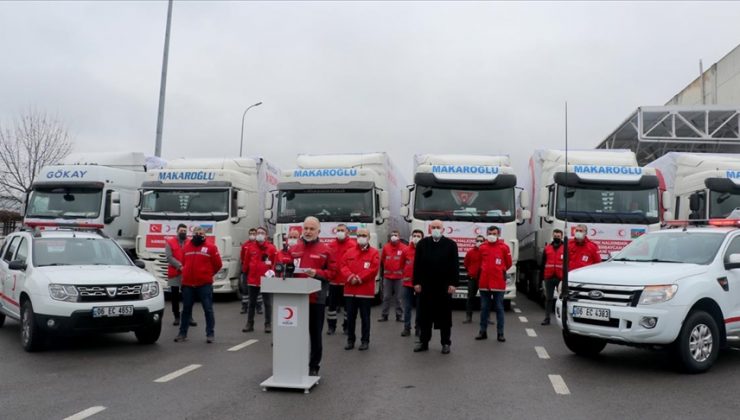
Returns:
<point x="583" y="254"/>
<point x="364" y="263"/>
<point x="316" y="255"/>
<point x="244" y="255"/>
<point x="554" y="262"/>
<point x="177" y="254"/>
<point x="472" y="262"/>
<point x="262" y="258"/>
<point x="338" y="249"/>
<point x="495" y="260"/>
<point x="393" y="260"/>
<point x="408" y="265"/>
<point x="200" y="263"/>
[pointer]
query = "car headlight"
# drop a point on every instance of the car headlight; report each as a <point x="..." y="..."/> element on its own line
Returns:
<point x="63" y="292"/>
<point x="149" y="290"/>
<point x="658" y="294"/>
<point x="222" y="273"/>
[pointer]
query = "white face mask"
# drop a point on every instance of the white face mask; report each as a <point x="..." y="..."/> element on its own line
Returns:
<point x="341" y="235"/>
<point x="292" y="241"/>
<point x="478" y="244"/>
<point x="394" y="238"/>
<point x="252" y="237"/>
<point x="260" y="237"/>
<point x="436" y="233"/>
<point x="415" y="239"/>
<point x="362" y="240"/>
<point x="492" y="238"/>
<point x="580" y="235"/>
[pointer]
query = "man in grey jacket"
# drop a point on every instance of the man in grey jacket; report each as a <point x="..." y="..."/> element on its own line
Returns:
<point x="174" y="253"/>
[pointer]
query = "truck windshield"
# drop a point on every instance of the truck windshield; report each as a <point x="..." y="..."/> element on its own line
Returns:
<point x="722" y="204"/>
<point x="599" y="205"/>
<point x="77" y="251"/>
<point x="335" y="205"/>
<point x="673" y="247"/>
<point x="65" y="202"/>
<point x="468" y="205"/>
<point x="185" y="204"/>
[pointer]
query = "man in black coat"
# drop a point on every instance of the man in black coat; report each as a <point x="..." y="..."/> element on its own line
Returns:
<point x="436" y="269"/>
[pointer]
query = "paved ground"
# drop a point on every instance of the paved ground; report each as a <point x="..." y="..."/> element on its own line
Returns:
<point x="532" y="375"/>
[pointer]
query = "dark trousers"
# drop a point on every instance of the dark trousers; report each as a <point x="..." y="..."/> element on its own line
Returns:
<point x="205" y="295"/>
<point x="254" y="292"/>
<point x="334" y="304"/>
<point x="355" y="304"/>
<point x="315" y="328"/>
<point x="244" y="290"/>
<point x="472" y="296"/>
<point x="550" y="286"/>
<point x="486" y="299"/>
<point x="175" y="300"/>
<point x="410" y="299"/>
<point x="425" y="324"/>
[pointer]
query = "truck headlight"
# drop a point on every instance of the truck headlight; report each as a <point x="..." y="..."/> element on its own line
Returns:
<point x="63" y="292"/>
<point x="149" y="290"/>
<point x="222" y="274"/>
<point x="658" y="294"/>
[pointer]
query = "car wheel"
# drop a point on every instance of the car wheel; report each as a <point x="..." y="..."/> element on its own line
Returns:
<point x="150" y="334"/>
<point x="32" y="337"/>
<point x="583" y="346"/>
<point x="697" y="345"/>
<point x="2" y="320"/>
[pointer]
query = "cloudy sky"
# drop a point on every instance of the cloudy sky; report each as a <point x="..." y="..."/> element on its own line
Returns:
<point x="403" y="78"/>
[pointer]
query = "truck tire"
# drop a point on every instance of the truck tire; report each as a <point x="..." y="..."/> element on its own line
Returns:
<point x="583" y="346"/>
<point x="150" y="334"/>
<point x="32" y="337"/>
<point x="697" y="346"/>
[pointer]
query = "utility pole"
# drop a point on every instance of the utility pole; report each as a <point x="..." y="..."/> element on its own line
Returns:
<point x="163" y="83"/>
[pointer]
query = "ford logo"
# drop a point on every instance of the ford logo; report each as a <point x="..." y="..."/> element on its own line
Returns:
<point x="596" y="294"/>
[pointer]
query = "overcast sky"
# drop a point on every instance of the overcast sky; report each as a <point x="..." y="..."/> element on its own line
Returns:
<point x="403" y="78"/>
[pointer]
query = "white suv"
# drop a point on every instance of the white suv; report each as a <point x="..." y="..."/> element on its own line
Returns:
<point x="676" y="289"/>
<point x="66" y="281"/>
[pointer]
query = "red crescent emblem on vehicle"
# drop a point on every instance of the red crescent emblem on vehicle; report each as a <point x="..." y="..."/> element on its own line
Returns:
<point x="621" y="232"/>
<point x="290" y="314"/>
<point x="593" y="232"/>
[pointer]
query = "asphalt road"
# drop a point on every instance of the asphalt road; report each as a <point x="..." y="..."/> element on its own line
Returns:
<point x="532" y="375"/>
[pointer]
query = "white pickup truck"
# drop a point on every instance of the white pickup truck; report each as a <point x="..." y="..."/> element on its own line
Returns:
<point x="677" y="289"/>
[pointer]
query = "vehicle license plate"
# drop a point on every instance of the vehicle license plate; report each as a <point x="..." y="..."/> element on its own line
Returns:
<point x="105" y="311"/>
<point x="597" y="314"/>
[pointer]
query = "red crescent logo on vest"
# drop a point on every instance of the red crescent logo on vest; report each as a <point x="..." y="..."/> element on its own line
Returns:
<point x="290" y="314"/>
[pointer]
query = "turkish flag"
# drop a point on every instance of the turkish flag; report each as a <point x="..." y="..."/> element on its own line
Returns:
<point x="155" y="228"/>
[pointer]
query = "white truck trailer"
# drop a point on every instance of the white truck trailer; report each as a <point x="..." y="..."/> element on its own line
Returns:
<point x="468" y="193"/>
<point x="224" y="196"/>
<point x="708" y="182"/>
<point x="91" y="190"/>
<point x="359" y="190"/>
<point x="605" y="190"/>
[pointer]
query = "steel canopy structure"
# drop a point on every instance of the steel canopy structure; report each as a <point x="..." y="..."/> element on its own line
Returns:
<point x="652" y="131"/>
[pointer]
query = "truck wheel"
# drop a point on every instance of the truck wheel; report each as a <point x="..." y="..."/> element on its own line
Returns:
<point x="150" y="334"/>
<point x="583" y="346"/>
<point x="2" y="320"/>
<point x="32" y="337"/>
<point x="697" y="345"/>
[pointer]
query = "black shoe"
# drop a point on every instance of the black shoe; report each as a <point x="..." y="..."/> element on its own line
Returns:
<point x="383" y="318"/>
<point x="364" y="346"/>
<point x="446" y="349"/>
<point x="482" y="336"/>
<point x="406" y="332"/>
<point x="417" y="333"/>
<point x="193" y="323"/>
<point x="210" y="339"/>
<point x="181" y="339"/>
<point x="331" y="331"/>
<point x="421" y="347"/>
<point x="313" y="372"/>
<point x="350" y="345"/>
<point x="399" y="319"/>
<point x="468" y="319"/>
<point x="268" y="328"/>
<point x="176" y="322"/>
<point x="546" y="321"/>
<point x="500" y="338"/>
<point x="248" y="328"/>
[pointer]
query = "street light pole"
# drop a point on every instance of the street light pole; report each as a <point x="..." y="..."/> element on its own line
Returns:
<point x="241" y="142"/>
<point x="163" y="84"/>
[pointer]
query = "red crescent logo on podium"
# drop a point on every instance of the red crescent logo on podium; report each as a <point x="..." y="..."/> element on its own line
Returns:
<point x="290" y="313"/>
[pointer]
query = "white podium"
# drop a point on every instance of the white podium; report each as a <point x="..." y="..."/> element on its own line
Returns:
<point x="291" y="341"/>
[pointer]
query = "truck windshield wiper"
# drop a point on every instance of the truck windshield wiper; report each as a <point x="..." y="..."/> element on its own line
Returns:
<point x="658" y="260"/>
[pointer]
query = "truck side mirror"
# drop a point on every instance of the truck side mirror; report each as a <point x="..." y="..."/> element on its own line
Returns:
<point x="544" y="196"/>
<point x="667" y="216"/>
<point x="524" y="201"/>
<point x="115" y="210"/>
<point x="17" y="266"/>
<point x="405" y="212"/>
<point x="269" y="200"/>
<point x="405" y="196"/>
<point x="542" y="212"/>
<point x="526" y="214"/>
<point x="115" y="205"/>
<point x="383" y="198"/>
<point x="733" y="262"/>
<point x="667" y="200"/>
<point x="241" y="213"/>
<point x="268" y="214"/>
<point x="694" y="202"/>
<point x="385" y="214"/>
<point x="241" y="199"/>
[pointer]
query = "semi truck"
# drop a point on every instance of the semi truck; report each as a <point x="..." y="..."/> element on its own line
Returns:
<point x="702" y="185"/>
<point x="358" y="190"/>
<point x="604" y="189"/>
<point x="97" y="190"/>
<point x="223" y="196"/>
<point x="468" y="193"/>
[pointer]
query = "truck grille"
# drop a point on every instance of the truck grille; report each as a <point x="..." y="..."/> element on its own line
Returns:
<point x="463" y="277"/>
<point x="605" y="295"/>
<point x="109" y="293"/>
<point x="160" y="267"/>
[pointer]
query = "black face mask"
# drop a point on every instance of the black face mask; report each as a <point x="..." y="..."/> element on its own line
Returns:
<point x="556" y="242"/>
<point x="198" y="240"/>
<point x="182" y="235"/>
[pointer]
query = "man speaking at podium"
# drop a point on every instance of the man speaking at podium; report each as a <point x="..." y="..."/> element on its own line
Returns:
<point x="313" y="259"/>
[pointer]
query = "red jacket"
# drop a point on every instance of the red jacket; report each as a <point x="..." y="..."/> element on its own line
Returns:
<point x="495" y="260"/>
<point x="177" y="254"/>
<point x="200" y="264"/>
<point x="244" y="255"/>
<point x="261" y="259"/>
<point x="364" y="263"/>
<point x="472" y="262"/>
<point x="338" y="249"/>
<point x="393" y="260"/>
<point x="408" y="265"/>
<point x="553" y="262"/>
<point x="583" y="254"/>
<point x="316" y="255"/>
